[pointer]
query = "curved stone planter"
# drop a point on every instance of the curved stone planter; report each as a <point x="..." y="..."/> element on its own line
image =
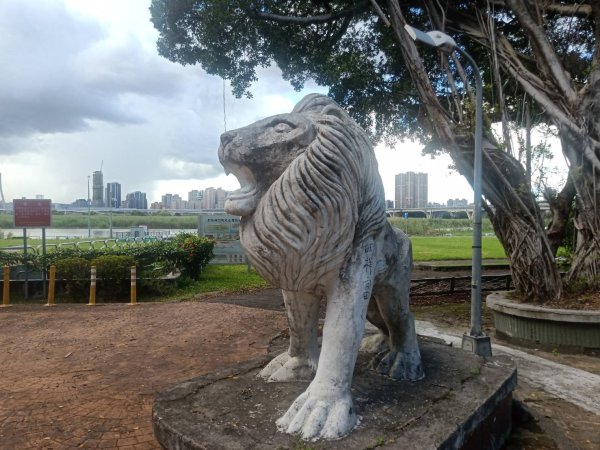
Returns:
<point x="535" y="325"/>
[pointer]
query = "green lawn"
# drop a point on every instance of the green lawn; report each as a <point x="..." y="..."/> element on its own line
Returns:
<point x="425" y="248"/>
<point x="229" y="279"/>
<point x="455" y="247"/>
<point x="119" y="220"/>
<point x="221" y="279"/>
<point x="237" y="278"/>
<point x="50" y="243"/>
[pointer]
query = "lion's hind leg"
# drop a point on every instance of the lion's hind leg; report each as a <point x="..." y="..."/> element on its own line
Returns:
<point x="299" y="363"/>
<point x="403" y="360"/>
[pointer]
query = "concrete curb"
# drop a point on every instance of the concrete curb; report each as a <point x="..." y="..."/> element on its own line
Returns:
<point x="533" y="325"/>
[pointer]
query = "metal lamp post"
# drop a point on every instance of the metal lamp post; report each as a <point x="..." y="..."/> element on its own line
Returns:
<point x="475" y="340"/>
<point x="110" y="206"/>
<point x="89" y="212"/>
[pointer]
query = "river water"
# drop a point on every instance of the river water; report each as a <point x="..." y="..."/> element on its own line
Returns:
<point x="84" y="233"/>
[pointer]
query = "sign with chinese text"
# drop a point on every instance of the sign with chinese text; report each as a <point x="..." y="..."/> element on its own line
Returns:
<point x="32" y="213"/>
<point x="221" y="227"/>
<point x="224" y="229"/>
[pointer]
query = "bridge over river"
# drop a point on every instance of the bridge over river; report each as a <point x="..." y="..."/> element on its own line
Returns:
<point x="439" y="212"/>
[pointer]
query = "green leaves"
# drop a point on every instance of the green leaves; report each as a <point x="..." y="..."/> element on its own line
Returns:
<point x="192" y="253"/>
<point x="186" y="253"/>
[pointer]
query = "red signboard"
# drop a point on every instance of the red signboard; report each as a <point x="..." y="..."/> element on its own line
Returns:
<point x="32" y="213"/>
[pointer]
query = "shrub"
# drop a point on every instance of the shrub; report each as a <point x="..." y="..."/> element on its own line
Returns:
<point x="563" y="258"/>
<point x="76" y="273"/>
<point x="114" y="274"/>
<point x="10" y="258"/>
<point x="193" y="253"/>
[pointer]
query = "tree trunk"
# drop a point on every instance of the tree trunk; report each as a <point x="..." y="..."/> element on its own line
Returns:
<point x="585" y="267"/>
<point x="560" y="206"/>
<point x="517" y="221"/>
<point x="514" y="213"/>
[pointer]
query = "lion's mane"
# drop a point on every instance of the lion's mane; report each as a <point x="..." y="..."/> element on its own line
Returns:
<point x="328" y="199"/>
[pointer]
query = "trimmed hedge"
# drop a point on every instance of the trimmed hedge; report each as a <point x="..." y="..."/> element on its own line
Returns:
<point x="113" y="273"/>
<point x="76" y="273"/>
<point x="186" y="253"/>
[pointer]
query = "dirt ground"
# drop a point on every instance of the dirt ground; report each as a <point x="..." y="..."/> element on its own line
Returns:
<point x="74" y="376"/>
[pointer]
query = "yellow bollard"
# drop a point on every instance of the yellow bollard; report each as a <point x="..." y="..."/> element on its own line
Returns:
<point x="133" y="286"/>
<point x="92" y="287"/>
<point x="51" y="286"/>
<point x="6" y="288"/>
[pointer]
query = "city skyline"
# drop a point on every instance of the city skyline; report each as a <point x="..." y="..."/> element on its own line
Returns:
<point x="209" y="198"/>
<point x="89" y="86"/>
<point x="106" y="95"/>
<point x="411" y="192"/>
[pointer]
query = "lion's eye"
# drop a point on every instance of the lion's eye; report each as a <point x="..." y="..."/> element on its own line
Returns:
<point x="282" y="127"/>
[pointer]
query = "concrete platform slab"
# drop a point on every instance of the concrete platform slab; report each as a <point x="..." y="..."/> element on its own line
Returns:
<point x="463" y="402"/>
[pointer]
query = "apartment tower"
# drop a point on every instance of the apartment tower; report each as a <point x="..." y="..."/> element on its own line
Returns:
<point x="411" y="190"/>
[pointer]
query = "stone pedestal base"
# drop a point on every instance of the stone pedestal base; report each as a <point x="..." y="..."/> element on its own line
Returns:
<point x="463" y="402"/>
<point x="480" y="345"/>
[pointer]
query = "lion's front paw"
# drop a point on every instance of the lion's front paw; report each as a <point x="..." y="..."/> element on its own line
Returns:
<point x="400" y="366"/>
<point x="287" y="368"/>
<point x="320" y="416"/>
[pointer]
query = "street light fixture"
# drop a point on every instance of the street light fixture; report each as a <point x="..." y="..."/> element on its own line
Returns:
<point x="475" y="341"/>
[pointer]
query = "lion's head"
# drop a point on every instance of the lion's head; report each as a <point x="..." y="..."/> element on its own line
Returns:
<point x="310" y="189"/>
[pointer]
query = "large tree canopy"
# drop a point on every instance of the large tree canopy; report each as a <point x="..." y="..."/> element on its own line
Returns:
<point x="538" y="59"/>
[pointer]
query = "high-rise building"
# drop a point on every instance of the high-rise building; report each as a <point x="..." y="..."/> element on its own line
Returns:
<point x="411" y="190"/>
<point x="210" y="198"/>
<point x="195" y="199"/>
<point x="97" y="188"/>
<point x="136" y="200"/>
<point x="2" y="202"/>
<point x="177" y="202"/>
<point x="221" y="195"/>
<point x="167" y="201"/>
<point x="113" y="194"/>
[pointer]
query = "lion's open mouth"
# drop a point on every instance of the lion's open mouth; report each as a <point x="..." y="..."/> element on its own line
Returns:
<point x="242" y="201"/>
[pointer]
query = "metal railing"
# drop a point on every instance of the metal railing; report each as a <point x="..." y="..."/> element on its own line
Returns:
<point x="458" y="284"/>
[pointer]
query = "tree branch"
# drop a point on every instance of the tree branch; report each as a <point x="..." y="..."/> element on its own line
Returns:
<point x="530" y="82"/>
<point x="380" y="13"/>
<point x="545" y="53"/>
<point x="308" y="20"/>
<point x="575" y="10"/>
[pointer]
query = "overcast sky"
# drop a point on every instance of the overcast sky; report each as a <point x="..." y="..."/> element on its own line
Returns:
<point x="82" y="87"/>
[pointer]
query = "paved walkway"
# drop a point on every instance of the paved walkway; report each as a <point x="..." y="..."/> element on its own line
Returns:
<point x="576" y="386"/>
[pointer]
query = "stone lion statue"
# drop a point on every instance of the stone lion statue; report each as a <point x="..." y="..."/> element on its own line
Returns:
<point x="314" y="224"/>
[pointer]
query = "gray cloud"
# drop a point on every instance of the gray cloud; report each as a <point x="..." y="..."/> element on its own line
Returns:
<point x="61" y="70"/>
<point x="77" y="90"/>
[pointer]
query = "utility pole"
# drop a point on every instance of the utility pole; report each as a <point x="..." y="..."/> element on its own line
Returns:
<point x="89" y="211"/>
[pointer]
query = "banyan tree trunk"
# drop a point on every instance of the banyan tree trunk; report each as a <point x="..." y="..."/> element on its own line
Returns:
<point x="511" y="206"/>
<point x="585" y="267"/>
<point x="517" y="221"/>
